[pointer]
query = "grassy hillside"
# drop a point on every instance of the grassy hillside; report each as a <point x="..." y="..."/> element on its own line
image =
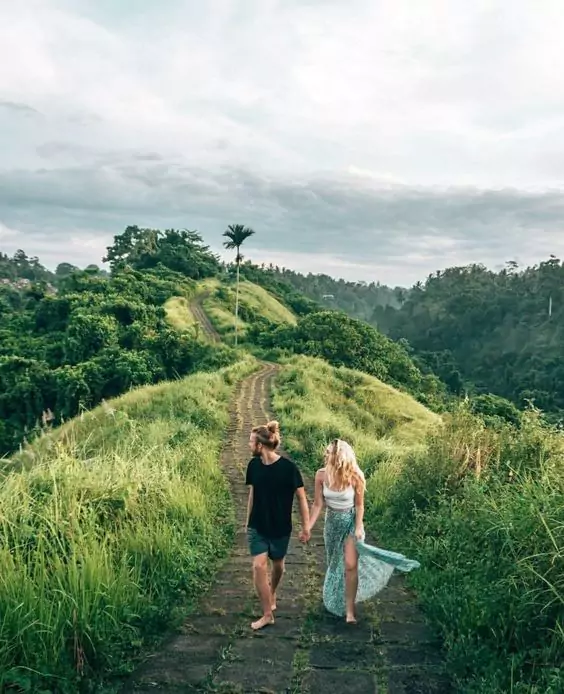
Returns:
<point x="254" y="302"/>
<point x="107" y="525"/>
<point x="318" y="402"/>
<point x="178" y="313"/>
<point x="481" y="508"/>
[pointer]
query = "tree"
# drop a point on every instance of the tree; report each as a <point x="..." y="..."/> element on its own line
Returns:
<point x="65" y="269"/>
<point x="236" y="234"/>
<point x="181" y="251"/>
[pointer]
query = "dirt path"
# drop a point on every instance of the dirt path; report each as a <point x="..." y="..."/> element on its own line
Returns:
<point x="202" y="318"/>
<point x="390" y="650"/>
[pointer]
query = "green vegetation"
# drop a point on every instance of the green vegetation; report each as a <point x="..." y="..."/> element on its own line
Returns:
<point x="178" y="313"/>
<point x="116" y="518"/>
<point x="62" y="353"/>
<point x="256" y="306"/>
<point x="317" y="402"/>
<point x="502" y="332"/>
<point x="482" y="509"/>
<point x="345" y="341"/>
<point x="107" y="525"/>
<point x="362" y="300"/>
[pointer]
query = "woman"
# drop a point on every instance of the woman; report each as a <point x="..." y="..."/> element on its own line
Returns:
<point x="355" y="571"/>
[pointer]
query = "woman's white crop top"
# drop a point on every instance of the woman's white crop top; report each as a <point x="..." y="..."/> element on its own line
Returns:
<point x="339" y="501"/>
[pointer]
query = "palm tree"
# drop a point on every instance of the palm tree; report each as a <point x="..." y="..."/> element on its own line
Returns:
<point x="236" y="234"/>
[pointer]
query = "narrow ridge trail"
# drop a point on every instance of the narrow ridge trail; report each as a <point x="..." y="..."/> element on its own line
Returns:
<point x="200" y="315"/>
<point x="390" y="650"/>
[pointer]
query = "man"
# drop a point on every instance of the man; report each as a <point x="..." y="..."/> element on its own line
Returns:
<point x="273" y="481"/>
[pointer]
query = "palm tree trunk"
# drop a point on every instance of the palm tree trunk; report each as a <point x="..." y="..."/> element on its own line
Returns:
<point x="237" y="301"/>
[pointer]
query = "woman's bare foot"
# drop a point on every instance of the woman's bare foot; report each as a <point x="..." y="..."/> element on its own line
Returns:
<point x="351" y="619"/>
<point x="273" y="601"/>
<point x="264" y="621"/>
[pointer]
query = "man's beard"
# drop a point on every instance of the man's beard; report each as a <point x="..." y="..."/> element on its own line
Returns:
<point x="255" y="452"/>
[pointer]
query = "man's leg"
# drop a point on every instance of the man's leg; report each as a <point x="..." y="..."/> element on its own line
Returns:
<point x="259" y="551"/>
<point x="278" y="550"/>
<point x="260" y="575"/>
<point x="275" y="578"/>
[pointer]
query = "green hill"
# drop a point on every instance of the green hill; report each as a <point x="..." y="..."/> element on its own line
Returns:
<point x="318" y="402"/>
<point x="254" y="302"/>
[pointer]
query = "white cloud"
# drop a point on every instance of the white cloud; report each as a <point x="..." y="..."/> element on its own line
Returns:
<point x="372" y="94"/>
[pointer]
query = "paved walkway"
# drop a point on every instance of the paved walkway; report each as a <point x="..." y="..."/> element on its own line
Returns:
<point x="390" y="650"/>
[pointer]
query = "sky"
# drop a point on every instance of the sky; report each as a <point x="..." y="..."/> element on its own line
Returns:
<point x="375" y="140"/>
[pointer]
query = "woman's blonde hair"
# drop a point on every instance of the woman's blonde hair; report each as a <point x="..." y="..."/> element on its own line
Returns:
<point x="341" y="467"/>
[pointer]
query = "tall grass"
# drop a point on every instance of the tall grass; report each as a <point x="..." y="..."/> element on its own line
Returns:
<point x="178" y="313"/>
<point x="259" y="299"/>
<point x="482" y="509"/>
<point x="108" y="525"/>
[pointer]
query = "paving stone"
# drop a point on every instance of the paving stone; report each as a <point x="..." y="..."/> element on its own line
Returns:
<point x="418" y="682"/>
<point x="338" y="629"/>
<point x="413" y="655"/>
<point x="210" y="625"/>
<point x="185" y="661"/>
<point x="402" y="632"/>
<point x="398" y="612"/>
<point x="324" y="681"/>
<point x="341" y="654"/>
<point x="395" y="594"/>
<point x="282" y="628"/>
<point x="258" y="665"/>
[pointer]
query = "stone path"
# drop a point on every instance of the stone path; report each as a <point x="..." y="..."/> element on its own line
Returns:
<point x="391" y="650"/>
<point x="200" y="315"/>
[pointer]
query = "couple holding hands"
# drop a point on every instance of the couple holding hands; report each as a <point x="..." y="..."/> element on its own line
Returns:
<point x="355" y="571"/>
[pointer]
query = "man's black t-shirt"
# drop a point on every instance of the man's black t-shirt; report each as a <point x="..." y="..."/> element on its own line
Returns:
<point x="274" y="486"/>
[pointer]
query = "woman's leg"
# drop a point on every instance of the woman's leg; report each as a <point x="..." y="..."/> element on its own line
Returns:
<point x="351" y="577"/>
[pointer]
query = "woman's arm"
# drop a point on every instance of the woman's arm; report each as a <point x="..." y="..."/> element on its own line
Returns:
<point x="318" y="498"/>
<point x="359" y="508"/>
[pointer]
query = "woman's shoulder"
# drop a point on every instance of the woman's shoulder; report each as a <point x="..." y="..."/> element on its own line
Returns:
<point x="320" y="474"/>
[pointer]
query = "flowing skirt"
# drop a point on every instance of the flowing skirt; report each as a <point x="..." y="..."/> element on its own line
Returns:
<point x="375" y="565"/>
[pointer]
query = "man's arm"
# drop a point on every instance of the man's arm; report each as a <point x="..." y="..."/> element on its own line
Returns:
<point x="249" y="483"/>
<point x="304" y="513"/>
<point x="249" y="507"/>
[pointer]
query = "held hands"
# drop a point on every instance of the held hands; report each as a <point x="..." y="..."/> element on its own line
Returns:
<point x="305" y="535"/>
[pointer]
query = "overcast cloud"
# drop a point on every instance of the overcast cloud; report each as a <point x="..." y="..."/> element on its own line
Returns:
<point x="370" y="140"/>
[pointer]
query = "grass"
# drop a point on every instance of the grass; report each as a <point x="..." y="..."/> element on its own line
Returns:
<point x="481" y="508"/>
<point x="178" y="313"/>
<point x="254" y="301"/>
<point x="109" y="526"/>
<point x="317" y="402"/>
<point x="259" y="299"/>
<point x="484" y="510"/>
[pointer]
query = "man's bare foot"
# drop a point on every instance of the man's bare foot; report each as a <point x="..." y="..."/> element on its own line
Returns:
<point x="273" y="608"/>
<point x="262" y="622"/>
